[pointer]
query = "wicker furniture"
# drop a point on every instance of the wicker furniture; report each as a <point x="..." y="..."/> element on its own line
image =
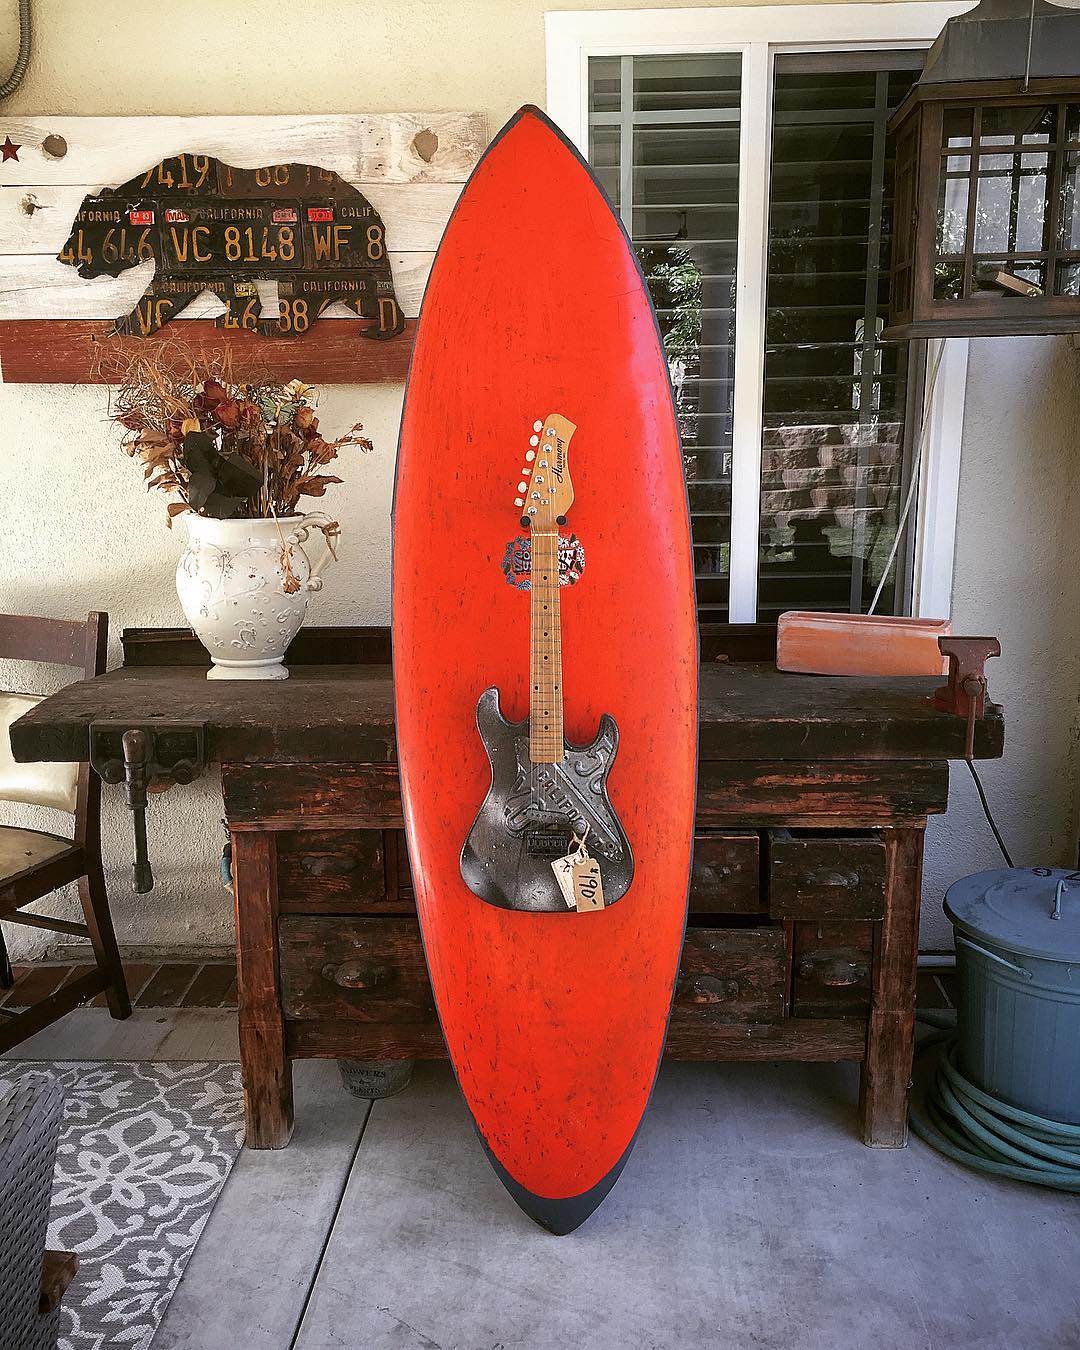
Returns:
<point x="32" y="1280"/>
<point x="34" y="863"/>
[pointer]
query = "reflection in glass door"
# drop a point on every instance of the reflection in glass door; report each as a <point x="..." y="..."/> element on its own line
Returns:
<point x="664" y="141"/>
<point x="836" y="397"/>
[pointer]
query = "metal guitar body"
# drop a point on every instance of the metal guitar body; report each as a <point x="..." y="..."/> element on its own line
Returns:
<point x="532" y="812"/>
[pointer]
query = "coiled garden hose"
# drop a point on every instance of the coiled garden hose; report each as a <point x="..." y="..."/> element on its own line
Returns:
<point x="22" y="60"/>
<point x="969" y="1125"/>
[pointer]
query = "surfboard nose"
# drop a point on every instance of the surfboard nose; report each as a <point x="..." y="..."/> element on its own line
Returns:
<point x="558" y="1216"/>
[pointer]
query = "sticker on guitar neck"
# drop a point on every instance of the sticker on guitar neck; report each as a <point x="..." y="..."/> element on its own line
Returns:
<point x="517" y="561"/>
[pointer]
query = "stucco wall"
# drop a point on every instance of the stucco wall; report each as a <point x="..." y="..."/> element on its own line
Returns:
<point x="1017" y="575"/>
<point x="78" y="530"/>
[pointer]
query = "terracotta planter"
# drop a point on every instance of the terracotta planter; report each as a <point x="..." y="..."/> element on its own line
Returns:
<point x="859" y="644"/>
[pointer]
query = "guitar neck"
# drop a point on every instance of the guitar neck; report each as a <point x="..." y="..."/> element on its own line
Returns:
<point x="545" y="648"/>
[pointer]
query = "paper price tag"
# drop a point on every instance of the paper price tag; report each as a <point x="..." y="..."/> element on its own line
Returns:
<point x="564" y="875"/>
<point x="588" y="886"/>
<point x="579" y="877"/>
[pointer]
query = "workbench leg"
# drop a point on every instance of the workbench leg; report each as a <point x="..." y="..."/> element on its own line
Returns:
<point x="264" y="1065"/>
<point x="886" y="1071"/>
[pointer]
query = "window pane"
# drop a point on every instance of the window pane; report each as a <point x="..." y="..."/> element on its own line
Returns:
<point x="664" y="141"/>
<point x="1011" y="206"/>
<point x="835" y="395"/>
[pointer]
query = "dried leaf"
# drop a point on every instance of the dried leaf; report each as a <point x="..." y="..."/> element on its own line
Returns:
<point x="263" y="433"/>
<point x="227" y="413"/>
<point x="315" y="485"/>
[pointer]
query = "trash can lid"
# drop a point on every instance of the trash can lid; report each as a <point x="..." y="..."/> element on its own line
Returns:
<point x="1034" y="911"/>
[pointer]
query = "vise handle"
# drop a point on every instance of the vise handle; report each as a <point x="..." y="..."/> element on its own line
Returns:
<point x="146" y="758"/>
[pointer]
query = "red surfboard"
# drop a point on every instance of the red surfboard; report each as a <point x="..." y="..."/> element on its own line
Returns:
<point x="555" y="1022"/>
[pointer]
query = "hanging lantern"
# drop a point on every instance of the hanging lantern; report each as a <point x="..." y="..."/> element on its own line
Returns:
<point x="986" y="240"/>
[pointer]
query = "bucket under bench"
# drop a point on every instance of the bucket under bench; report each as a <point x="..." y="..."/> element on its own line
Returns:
<point x="813" y="796"/>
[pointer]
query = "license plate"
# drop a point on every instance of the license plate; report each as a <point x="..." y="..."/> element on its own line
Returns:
<point x="229" y="237"/>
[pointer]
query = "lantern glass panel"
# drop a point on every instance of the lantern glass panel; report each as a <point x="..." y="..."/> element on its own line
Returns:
<point x="949" y="281"/>
<point x="1022" y="124"/>
<point x="1011" y="208"/>
<point x="1068" y="279"/>
<point x="953" y="204"/>
<point x="1069" y="235"/>
<point x="956" y="128"/>
<point x="994" y="274"/>
<point x="1072" y="122"/>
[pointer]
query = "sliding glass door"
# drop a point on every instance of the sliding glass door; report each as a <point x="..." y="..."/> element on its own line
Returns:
<point x="796" y="417"/>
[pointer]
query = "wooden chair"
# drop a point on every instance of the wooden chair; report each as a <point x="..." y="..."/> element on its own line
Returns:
<point x="34" y="863"/>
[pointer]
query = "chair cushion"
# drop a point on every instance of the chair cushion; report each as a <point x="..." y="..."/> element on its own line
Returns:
<point x="36" y="784"/>
<point x="24" y="849"/>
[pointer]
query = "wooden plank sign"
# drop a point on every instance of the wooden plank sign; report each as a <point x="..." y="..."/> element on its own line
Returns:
<point x="197" y="229"/>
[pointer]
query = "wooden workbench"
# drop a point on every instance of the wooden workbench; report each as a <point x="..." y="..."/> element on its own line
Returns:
<point x="804" y="905"/>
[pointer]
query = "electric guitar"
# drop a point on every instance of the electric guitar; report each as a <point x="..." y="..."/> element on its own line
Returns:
<point x="548" y="799"/>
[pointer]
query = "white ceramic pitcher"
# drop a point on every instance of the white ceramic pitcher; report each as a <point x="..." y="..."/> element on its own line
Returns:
<point x="232" y="580"/>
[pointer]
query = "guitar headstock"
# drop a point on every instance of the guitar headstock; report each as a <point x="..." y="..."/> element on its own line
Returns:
<point x="545" y="492"/>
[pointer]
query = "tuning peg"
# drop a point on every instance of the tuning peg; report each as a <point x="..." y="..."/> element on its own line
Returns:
<point x="534" y="440"/>
<point x="530" y="455"/>
<point x="538" y="425"/>
<point x="519" y="501"/>
<point x="523" y="487"/>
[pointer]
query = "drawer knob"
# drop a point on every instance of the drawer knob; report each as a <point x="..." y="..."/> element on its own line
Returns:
<point x="707" y="989"/>
<point x="355" y="975"/>
<point x="328" y="864"/>
<point x="827" y="876"/>
<point x="835" y="973"/>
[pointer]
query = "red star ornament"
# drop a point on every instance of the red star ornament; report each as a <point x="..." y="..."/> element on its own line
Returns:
<point x="9" y="150"/>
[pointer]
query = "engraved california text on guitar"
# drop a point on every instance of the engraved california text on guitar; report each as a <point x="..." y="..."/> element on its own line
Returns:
<point x="547" y="808"/>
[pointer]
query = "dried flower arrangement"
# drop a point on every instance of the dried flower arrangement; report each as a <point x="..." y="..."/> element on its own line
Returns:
<point x="225" y="445"/>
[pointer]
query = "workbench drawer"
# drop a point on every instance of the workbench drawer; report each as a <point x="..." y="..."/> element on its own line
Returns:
<point x="333" y="872"/>
<point x="371" y="969"/>
<point x="730" y="977"/>
<point x="818" y="875"/>
<point x="832" y="968"/>
<point x="726" y="875"/>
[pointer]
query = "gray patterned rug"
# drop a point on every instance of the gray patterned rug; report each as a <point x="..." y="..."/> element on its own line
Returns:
<point x="143" y="1154"/>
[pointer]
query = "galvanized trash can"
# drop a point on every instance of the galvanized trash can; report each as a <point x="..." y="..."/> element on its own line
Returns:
<point x="375" y="1079"/>
<point x="1018" y="960"/>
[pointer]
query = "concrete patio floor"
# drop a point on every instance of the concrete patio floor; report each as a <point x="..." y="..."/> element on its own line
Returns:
<point x="749" y="1216"/>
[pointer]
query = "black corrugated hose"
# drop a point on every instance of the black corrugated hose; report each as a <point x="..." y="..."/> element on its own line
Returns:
<point x="18" y="71"/>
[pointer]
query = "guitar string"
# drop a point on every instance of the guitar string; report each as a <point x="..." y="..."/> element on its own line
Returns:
<point x="548" y="647"/>
<point x="546" y="693"/>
